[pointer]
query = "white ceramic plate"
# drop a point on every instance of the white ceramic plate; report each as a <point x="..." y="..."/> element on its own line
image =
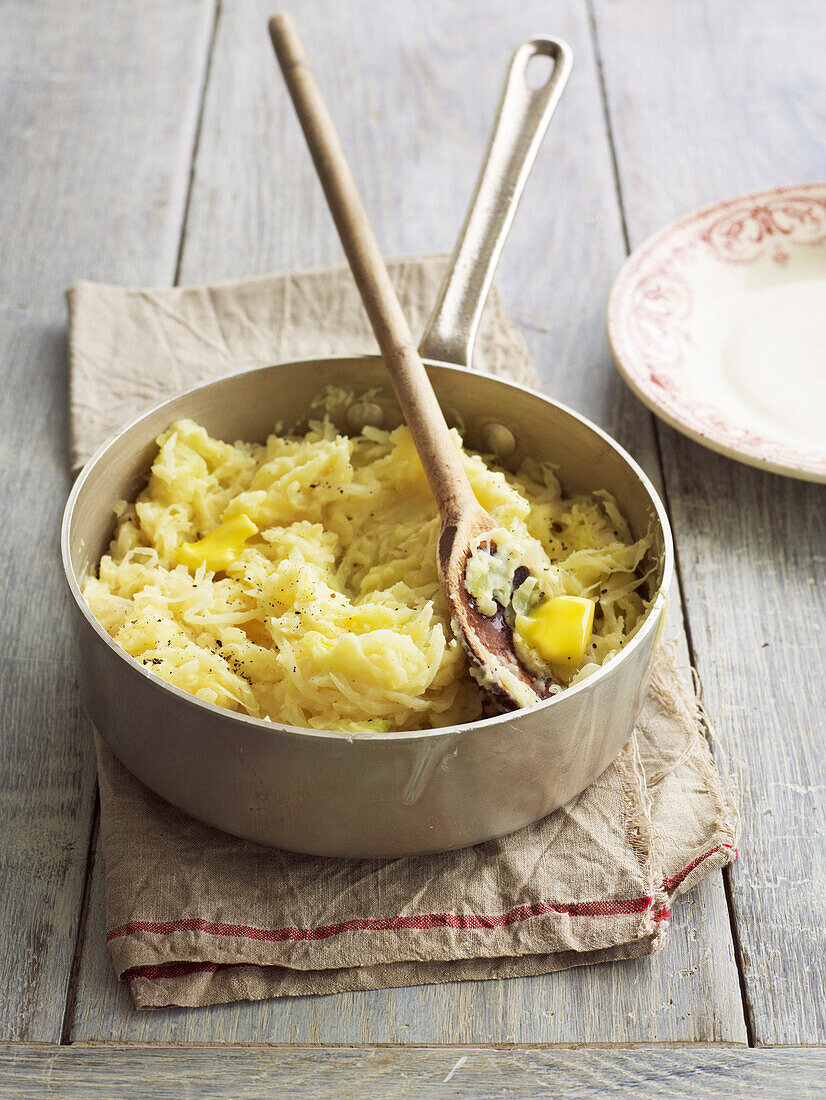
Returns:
<point x="718" y="323"/>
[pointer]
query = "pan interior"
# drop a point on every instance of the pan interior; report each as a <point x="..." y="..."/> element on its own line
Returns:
<point x="251" y="405"/>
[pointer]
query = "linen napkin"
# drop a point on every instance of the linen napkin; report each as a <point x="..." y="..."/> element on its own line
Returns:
<point x="195" y="916"/>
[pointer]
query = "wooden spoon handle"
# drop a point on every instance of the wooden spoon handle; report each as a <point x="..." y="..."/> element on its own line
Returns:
<point x="438" y="453"/>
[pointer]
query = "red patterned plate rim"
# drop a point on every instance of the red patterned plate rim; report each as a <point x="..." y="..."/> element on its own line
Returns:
<point x="781" y="218"/>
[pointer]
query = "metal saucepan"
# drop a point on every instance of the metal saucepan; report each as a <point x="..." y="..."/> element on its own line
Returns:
<point x="383" y="794"/>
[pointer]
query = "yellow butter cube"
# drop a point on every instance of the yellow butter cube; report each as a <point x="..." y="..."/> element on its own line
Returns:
<point x="558" y="629"/>
<point x="221" y="547"/>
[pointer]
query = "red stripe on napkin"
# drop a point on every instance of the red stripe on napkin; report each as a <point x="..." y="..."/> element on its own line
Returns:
<point x="389" y="924"/>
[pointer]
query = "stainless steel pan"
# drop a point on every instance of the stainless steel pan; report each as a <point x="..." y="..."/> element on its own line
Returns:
<point x="387" y="794"/>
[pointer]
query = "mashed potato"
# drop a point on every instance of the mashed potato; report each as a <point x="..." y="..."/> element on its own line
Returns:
<point x="331" y="616"/>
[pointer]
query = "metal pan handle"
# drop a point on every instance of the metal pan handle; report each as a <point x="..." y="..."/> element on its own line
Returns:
<point x="521" y="121"/>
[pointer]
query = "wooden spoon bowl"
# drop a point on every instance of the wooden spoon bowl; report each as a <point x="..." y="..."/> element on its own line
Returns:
<point x="487" y="639"/>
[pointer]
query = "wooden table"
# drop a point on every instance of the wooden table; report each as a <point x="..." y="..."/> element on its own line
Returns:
<point x="153" y="142"/>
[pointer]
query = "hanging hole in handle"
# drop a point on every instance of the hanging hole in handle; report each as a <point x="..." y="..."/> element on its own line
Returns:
<point x="539" y="70"/>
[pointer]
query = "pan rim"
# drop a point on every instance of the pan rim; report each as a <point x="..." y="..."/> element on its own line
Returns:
<point x="394" y="736"/>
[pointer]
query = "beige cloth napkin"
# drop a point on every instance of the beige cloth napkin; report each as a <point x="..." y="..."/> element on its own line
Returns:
<point x="195" y="916"/>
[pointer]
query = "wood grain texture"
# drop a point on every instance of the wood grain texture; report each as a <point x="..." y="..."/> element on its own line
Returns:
<point x="707" y="100"/>
<point x="416" y="87"/>
<point x="95" y="168"/>
<point x="244" y="1073"/>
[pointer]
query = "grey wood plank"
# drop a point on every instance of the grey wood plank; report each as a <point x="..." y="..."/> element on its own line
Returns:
<point x="707" y="100"/>
<point x="84" y="1073"/>
<point x="96" y="137"/>
<point x="413" y="95"/>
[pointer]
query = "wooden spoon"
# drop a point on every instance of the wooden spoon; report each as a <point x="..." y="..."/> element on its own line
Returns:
<point x="488" y="640"/>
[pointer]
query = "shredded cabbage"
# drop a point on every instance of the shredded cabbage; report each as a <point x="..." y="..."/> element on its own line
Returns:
<point x="332" y="616"/>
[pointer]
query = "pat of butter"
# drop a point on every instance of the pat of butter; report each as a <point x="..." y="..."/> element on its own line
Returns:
<point x="221" y="547"/>
<point x="558" y="629"/>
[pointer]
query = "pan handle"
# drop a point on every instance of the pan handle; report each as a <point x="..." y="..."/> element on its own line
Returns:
<point x="521" y="121"/>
